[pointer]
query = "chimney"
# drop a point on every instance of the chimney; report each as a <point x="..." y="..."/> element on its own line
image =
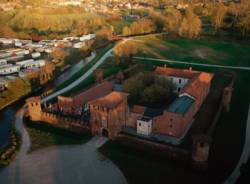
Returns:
<point x="190" y="68"/>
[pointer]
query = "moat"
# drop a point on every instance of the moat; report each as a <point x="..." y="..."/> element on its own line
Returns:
<point x="7" y="116"/>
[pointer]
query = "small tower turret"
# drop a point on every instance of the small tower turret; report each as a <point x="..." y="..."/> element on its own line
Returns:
<point x="200" y="151"/>
<point x="227" y="96"/>
<point x="34" y="108"/>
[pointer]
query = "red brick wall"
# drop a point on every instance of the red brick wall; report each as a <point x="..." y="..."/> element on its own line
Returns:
<point x="115" y="119"/>
<point x="168" y="124"/>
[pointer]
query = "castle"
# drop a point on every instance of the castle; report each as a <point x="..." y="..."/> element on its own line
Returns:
<point x="104" y="110"/>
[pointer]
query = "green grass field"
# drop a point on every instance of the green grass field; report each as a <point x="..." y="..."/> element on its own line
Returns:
<point x="199" y="51"/>
<point x="44" y="136"/>
<point x="77" y="75"/>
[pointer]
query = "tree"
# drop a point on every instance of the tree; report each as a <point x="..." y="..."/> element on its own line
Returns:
<point x="190" y="26"/>
<point x="244" y="24"/>
<point x="59" y="55"/>
<point x="149" y="89"/>
<point x="218" y="14"/>
<point x="125" y="50"/>
<point x="158" y="19"/>
<point x="142" y="26"/>
<point x="173" y="19"/>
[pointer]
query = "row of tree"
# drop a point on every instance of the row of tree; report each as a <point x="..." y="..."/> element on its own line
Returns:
<point x="185" y="24"/>
<point x="21" y="23"/>
<point x="189" y="21"/>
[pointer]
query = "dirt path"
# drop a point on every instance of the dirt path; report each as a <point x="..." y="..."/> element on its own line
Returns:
<point x="194" y="64"/>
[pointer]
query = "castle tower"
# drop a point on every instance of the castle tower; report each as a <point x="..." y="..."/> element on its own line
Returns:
<point x="34" y="108"/>
<point x="200" y="151"/>
<point x="98" y="74"/>
<point x="227" y="96"/>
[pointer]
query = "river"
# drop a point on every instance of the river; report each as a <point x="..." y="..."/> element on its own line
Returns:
<point x="6" y="117"/>
<point x="8" y="113"/>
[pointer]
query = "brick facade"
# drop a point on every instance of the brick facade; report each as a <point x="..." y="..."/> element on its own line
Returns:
<point x="108" y="114"/>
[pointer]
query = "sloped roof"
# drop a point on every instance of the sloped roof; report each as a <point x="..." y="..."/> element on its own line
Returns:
<point x="184" y="73"/>
<point x="33" y="99"/>
<point x="93" y="93"/>
<point x="138" y="109"/>
<point x="149" y="112"/>
<point x="111" y="100"/>
<point x="195" y="86"/>
<point x="181" y="105"/>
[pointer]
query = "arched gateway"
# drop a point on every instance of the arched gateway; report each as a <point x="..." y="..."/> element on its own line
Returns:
<point x="105" y="132"/>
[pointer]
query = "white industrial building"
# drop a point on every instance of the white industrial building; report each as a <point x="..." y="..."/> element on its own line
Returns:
<point x="144" y="126"/>
<point x="36" y="55"/>
<point x="87" y="37"/>
<point x="6" y="70"/>
<point x="6" y="41"/>
<point x="14" y="58"/>
<point x="30" y="63"/>
<point x="3" y="62"/>
<point x="79" y="45"/>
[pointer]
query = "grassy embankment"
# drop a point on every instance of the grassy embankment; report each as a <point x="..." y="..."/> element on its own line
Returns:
<point x="230" y="131"/>
<point x="44" y="135"/>
<point x="15" y="90"/>
<point x="109" y="68"/>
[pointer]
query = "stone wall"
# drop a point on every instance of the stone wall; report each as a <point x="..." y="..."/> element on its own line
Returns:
<point x="154" y="148"/>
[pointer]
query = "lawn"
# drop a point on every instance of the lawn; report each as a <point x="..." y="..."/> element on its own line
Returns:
<point x="43" y="136"/>
<point x="77" y="75"/>
<point x="109" y="68"/>
<point x="229" y="134"/>
<point x="200" y="51"/>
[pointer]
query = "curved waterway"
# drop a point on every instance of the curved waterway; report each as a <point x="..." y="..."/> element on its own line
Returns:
<point x="7" y="116"/>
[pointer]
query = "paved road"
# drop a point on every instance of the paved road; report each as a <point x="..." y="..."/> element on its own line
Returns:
<point x="194" y="64"/>
<point x="81" y="164"/>
<point x="82" y="78"/>
<point x="244" y="156"/>
<point x="74" y="69"/>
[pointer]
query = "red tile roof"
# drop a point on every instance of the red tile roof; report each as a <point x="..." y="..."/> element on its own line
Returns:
<point x="33" y="99"/>
<point x="111" y="100"/>
<point x="138" y="109"/>
<point x="93" y="93"/>
<point x="195" y="86"/>
<point x="184" y="73"/>
<point x="197" y="79"/>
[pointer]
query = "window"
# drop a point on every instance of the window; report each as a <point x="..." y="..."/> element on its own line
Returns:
<point x="139" y="124"/>
<point x="179" y="89"/>
<point x="179" y="81"/>
<point x="171" y="126"/>
<point x="202" y="144"/>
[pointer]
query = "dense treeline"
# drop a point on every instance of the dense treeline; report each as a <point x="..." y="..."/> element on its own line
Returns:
<point x="190" y="20"/>
<point x="49" y="23"/>
<point x="185" y="18"/>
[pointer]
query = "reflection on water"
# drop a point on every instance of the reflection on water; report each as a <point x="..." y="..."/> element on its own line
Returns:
<point x="7" y="115"/>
